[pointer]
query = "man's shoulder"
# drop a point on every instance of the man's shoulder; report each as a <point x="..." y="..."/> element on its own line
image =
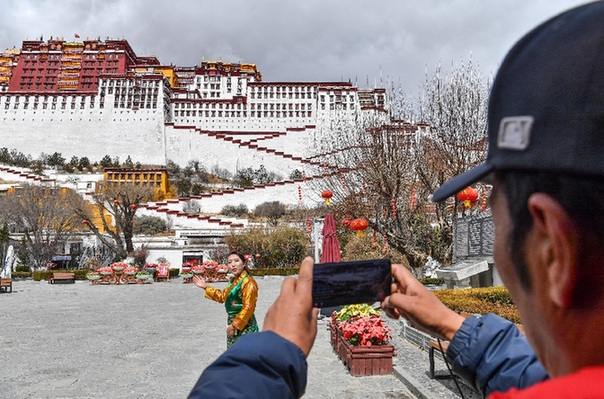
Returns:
<point x="585" y="383"/>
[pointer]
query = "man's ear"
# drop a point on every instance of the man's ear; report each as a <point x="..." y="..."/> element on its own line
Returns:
<point x="557" y="247"/>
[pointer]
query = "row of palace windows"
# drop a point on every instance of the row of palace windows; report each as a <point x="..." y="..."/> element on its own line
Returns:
<point x="282" y="95"/>
<point x="337" y="98"/>
<point x="128" y="82"/>
<point x="282" y="89"/>
<point x="130" y="176"/>
<point x="239" y="114"/>
<point x="259" y="106"/>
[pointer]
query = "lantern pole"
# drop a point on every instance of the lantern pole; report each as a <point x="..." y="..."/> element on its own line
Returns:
<point x="318" y="224"/>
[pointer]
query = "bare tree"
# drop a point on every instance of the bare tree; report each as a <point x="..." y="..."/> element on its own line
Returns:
<point x="42" y="215"/>
<point x="385" y="169"/>
<point x="113" y="209"/>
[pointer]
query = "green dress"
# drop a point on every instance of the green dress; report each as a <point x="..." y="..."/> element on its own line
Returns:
<point x="239" y="297"/>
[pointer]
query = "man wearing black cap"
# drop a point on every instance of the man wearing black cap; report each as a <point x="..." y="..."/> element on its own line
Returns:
<point x="546" y="164"/>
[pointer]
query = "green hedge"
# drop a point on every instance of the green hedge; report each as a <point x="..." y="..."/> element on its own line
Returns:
<point x="286" y="271"/>
<point x="39" y="275"/>
<point x="481" y="300"/>
<point x="21" y="274"/>
<point x="432" y="281"/>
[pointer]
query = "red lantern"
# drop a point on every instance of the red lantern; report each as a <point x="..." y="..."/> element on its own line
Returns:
<point x="468" y="195"/>
<point x="346" y="222"/>
<point x="359" y="225"/>
<point x="327" y="196"/>
<point x="116" y="202"/>
<point x="308" y="225"/>
<point x="133" y="206"/>
<point x="258" y="256"/>
<point x="84" y="221"/>
<point x="247" y="257"/>
<point x="393" y="206"/>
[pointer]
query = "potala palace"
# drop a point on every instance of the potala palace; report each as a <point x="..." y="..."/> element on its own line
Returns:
<point x="96" y="97"/>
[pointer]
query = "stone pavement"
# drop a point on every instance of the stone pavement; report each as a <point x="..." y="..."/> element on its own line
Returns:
<point x="153" y="341"/>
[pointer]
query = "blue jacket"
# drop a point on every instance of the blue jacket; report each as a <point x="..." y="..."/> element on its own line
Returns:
<point x="258" y="365"/>
<point x="492" y="355"/>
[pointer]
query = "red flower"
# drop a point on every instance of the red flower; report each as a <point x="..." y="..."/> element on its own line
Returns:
<point x="366" y="331"/>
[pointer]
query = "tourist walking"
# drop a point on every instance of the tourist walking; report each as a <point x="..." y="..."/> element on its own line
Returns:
<point x="239" y="296"/>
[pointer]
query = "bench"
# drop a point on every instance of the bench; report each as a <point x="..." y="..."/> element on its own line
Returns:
<point x="6" y="285"/>
<point x="434" y="346"/>
<point x="62" y="277"/>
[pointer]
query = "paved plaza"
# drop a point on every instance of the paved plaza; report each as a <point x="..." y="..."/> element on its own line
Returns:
<point x="153" y="341"/>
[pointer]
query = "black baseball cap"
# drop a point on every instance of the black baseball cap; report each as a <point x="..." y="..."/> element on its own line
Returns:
<point x="546" y="109"/>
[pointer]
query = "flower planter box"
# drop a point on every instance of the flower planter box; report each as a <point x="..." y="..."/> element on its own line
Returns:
<point x="334" y="336"/>
<point x="364" y="361"/>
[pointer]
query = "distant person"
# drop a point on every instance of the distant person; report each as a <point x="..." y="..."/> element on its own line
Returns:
<point x="239" y="296"/>
<point x="546" y="164"/>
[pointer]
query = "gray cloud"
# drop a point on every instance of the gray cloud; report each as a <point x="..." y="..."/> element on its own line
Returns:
<point x="311" y="40"/>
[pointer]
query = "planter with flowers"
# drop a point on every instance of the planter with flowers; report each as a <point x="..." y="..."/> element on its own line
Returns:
<point x="209" y="267"/>
<point x="143" y="277"/>
<point x="119" y="266"/>
<point x="345" y="314"/>
<point x="129" y="274"/>
<point x="93" y="277"/>
<point x="365" y="346"/>
<point x="187" y="277"/>
<point x="150" y="268"/>
<point x="221" y="272"/>
<point x="131" y="271"/>
<point x="186" y="267"/>
<point x="197" y="270"/>
<point x="105" y="271"/>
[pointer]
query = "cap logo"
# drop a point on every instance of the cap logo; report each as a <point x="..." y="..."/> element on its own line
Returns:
<point x="515" y="133"/>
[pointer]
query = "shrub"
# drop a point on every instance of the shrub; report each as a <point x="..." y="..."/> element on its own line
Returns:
<point x="286" y="271"/>
<point x="432" y="281"/>
<point x="480" y="300"/>
<point x="39" y="275"/>
<point x="280" y="248"/>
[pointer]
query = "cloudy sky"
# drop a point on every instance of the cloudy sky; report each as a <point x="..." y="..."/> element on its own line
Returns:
<point x="308" y="40"/>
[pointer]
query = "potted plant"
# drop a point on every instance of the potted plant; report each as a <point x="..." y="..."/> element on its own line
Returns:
<point x="187" y="276"/>
<point x="366" y="346"/>
<point x="346" y="313"/>
<point x="197" y="269"/>
<point x="143" y="276"/>
<point x="93" y="276"/>
<point x="150" y="267"/>
<point x="119" y="266"/>
<point x="105" y="271"/>
<point x="130" y="271"/>
<point x="210" y="264"/>
<point x="186" y="267"/>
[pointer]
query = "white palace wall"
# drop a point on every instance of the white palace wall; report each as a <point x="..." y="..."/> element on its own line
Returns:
<point x="88" y="132"/>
